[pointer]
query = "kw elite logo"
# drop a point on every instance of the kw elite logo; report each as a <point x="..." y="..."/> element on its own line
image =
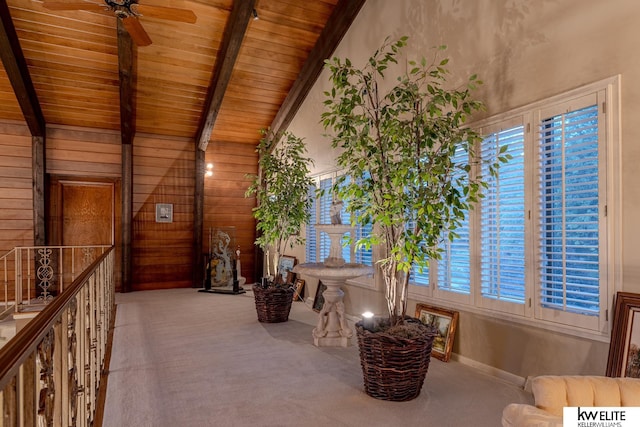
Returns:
<point x="601" y="416"/>
<point x="595" y="415"/>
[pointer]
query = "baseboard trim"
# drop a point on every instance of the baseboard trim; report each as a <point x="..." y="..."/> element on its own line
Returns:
<point x="490" y="370"/>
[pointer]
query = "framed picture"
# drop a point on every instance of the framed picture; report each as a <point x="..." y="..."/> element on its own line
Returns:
<point x="298" y="290"/>
<point x="445" y="322"/>
<point x="318" y="301"/>
<point x="164" y="212"/>
<point x="285" y="265"/>
<point x="624" y="349"/>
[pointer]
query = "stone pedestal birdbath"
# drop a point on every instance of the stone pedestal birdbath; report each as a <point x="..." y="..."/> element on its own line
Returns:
<point x="332" y="329"/>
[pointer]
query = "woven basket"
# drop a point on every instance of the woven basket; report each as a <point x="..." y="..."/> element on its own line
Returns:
<point x="273" y="304"/>
<point x="393" y="367"/>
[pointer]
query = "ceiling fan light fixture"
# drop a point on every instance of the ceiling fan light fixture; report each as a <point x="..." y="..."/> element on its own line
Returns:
<point x="122" y="8"/>
<point x="128" y="12"/>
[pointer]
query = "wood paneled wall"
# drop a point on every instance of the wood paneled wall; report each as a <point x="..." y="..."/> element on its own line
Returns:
<point x="224" y="201"/>
<point x="16" y="192"/>
<point x="87" y="155"/>
<point x="83" y="152"/>
<point x="163" y="172"/>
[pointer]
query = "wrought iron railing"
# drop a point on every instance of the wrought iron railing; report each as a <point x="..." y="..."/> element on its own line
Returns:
<point x="50" y="371"/>
<point x="32" y="276"/>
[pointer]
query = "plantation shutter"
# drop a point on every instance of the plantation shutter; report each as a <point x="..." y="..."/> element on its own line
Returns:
<point x="325" y="217"/>
<point x="322" y="215"/>
<point x="346" y="219"/>
<point x="502" y="218"/>
<point x="417" y="277"/>
<point x="363" y="255"/>
<point x="311" y="248"/>
<point x="454" y="269"/>
<point x="569" y="210"/>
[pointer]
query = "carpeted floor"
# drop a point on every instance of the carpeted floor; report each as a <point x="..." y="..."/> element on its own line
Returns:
<point x="184" y="358"/>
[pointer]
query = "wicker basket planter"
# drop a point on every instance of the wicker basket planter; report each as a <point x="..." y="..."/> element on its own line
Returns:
<point x="273" y="304"/>
<point x="394" y="368"/>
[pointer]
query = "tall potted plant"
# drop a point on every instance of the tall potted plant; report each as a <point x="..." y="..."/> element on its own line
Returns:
<point x="283" y="205"/>
<point x="402" y="147"/>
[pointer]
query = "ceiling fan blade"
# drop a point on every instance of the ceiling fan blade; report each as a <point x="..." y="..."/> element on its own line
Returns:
<point x="136" y="31"/>
<point x="54" y="5"/>
<point x="168" y="13"/>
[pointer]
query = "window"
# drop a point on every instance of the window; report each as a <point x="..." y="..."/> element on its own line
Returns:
<point x="311" y="237"/>
<point x="363" y="255"/>
<point x="454" y="268"/>
<point x="324" y="213"/>
<point x="503" y="219"/>
<point x="419" y="276"/>
<point x="570" y="247"/>
<point x="542" y="242"/>
<point x="318" y="243"/>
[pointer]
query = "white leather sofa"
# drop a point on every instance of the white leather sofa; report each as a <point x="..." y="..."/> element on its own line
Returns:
<point x="552" y="393"/>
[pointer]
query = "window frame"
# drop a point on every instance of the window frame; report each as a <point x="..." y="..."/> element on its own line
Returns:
<point x="607" y="92"/>
<point x="495" y="305"/>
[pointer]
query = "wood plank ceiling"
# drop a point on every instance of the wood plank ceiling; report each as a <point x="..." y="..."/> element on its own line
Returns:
<point x="72" y="58"/>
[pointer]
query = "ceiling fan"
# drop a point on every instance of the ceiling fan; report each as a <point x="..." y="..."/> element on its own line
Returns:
<point x="129" y="11"/>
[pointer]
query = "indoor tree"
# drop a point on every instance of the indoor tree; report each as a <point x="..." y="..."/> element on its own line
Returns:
<point x="410" y="157"/>
<point x="282" y="193"/>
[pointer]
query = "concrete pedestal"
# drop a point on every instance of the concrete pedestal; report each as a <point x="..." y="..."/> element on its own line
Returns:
<point x="332" y="329"/>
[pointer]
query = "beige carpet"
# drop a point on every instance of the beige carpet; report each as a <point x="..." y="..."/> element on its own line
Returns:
<point x="184" y="358"/>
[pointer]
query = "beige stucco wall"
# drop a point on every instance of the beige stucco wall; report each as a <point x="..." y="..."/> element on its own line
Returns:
<point x="524" y="50"/>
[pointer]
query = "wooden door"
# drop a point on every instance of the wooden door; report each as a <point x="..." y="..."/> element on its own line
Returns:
<point x="81" y="213"/>
<point x="87" y="214"/>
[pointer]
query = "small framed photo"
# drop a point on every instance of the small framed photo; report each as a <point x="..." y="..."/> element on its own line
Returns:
<point x="164" y="212"/>
<point x="318" y="301"/>
<point x="624" y="348"/>
<point x="285" y="265"/>
<point x="445" y="322"/>
<point x="298" y="290"/>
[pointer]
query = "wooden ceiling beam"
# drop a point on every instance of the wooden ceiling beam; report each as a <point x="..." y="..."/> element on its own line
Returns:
<point x="227" y="54"/>
<point x="339" y="22"/>
<point x="16" y="67"/>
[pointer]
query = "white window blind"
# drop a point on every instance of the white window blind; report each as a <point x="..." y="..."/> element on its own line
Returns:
<point x="454" y="268"/>
<point x="569" y="240"/>
<point x="324" y="203"/>
<point x="364" y="256"/>
<point x="346" y="219"/>
<point x="318" y="243"/>
<point x="420" y="278"/>
<point x="502" y="218"/>
<point x="417" y="277"/>
<point x="311" y="237"/>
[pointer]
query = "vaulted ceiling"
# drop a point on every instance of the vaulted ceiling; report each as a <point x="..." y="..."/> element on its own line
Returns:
<point x="223" y="77"/>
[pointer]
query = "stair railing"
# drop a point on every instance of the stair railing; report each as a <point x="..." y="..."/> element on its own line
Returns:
<point x="32" y="276"/>
<point x="50" y="371"/>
